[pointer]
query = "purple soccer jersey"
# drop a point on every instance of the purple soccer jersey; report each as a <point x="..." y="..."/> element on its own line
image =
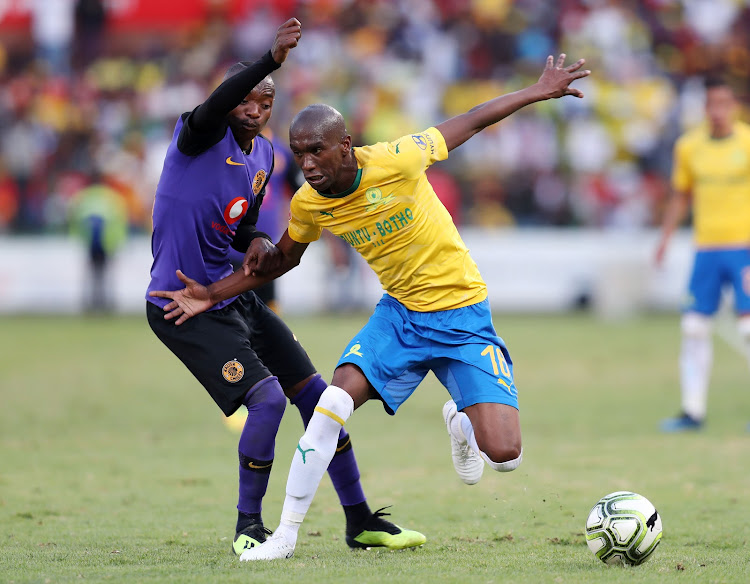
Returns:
<point x="200" y="201"/>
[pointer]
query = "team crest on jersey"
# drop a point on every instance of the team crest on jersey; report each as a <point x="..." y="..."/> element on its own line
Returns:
<point x="260" y="178"/>
<point x="375" y="197"/>
<point x="233" y="371"/>
<point x="235" y="210"/>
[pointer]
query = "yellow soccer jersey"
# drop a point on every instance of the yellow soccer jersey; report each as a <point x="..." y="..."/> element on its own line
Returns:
<point x="393" y="218"/>
<point x="717" y="173"/>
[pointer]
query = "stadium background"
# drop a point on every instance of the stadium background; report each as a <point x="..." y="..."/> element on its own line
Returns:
<point x="559" y="203"/>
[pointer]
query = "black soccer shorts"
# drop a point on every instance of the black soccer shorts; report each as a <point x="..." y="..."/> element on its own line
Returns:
<point x="231" y="349"/>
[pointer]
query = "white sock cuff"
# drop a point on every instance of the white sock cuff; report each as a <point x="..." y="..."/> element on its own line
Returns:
<point x="335" y="403"/>
<point x="506" y="466"/>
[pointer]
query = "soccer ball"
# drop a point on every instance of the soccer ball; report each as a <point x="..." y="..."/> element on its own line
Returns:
<point x="623" y="528"/>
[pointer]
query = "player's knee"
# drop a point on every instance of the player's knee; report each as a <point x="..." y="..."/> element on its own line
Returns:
<point x="506" y="460"/>
<point x="335" y="403"/>
<point x="696" y="325"/>
<point x="501" y="450"/>
<point x="268" y="396"/>
<point x="743" y="326"/>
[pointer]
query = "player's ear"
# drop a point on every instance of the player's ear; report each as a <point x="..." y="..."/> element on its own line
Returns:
<point x="346" y="145"/>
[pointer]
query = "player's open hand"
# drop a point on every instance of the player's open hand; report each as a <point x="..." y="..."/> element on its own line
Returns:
<point x="286" y="39"/>
<point x="556" y="79"/>
<point x="191" y="300"/>
<point x="261" y="258"/>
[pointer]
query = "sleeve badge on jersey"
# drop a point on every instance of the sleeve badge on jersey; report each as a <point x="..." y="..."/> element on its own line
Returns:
<point x="260" y="178"/>
<point x="419" y="141"/>
<point x="233" y="371"/>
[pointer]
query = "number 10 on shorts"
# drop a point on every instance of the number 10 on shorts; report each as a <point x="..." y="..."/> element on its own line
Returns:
<point x="499" y="366"/>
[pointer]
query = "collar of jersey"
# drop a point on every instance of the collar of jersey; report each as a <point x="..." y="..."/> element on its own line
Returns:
<point x="349" y="191"/>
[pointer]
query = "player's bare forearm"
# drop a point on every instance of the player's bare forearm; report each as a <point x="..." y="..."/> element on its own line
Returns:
<point x="256" y="271"/>
<point x="459" y="129"/>
<point x="674" y="215"/>
<point x="195" y="298"/>
<point x="554" y="82"/>
<point x="260" y="266"/>
<point x="235" y="284"/>
<point x="247" y="279"/>
<point x="676" y="211"/>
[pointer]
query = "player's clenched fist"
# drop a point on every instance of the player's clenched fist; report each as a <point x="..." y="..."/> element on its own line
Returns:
<point x="286" y="39"/>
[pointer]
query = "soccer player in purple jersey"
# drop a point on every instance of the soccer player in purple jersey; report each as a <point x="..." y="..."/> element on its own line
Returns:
<point x="208" y="200"/>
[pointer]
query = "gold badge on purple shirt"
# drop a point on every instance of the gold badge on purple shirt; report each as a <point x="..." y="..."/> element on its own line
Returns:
<point x="260" y="178"/>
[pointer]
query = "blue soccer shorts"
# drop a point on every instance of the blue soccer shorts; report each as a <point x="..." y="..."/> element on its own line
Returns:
<point x="397" y="347"/>
<point x="712" y="270"/>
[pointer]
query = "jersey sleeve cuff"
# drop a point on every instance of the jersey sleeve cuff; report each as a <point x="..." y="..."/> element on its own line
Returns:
<point x="268" y="60"/>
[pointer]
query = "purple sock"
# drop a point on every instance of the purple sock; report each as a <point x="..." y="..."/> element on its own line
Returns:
<point x="343" y="469"/>
<point x="265" y="406"/>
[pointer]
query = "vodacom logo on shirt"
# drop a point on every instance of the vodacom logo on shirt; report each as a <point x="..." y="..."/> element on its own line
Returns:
<point x="235" y="210"/>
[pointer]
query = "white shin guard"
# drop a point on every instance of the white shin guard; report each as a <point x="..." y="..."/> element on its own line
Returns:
<point x="314" y="453"/>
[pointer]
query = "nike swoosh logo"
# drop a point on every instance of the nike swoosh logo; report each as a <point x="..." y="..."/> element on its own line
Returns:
<point x="252" y="465"/>
<point x="233" y="163"/>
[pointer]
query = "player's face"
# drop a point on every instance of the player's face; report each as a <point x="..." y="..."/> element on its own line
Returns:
<point x="720" y="109"/>
<point x="249" y="118"/>
<point x="321" y="159"/>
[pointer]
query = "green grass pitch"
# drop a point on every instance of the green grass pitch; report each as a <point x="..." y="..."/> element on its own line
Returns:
<point x="115" y="465"/>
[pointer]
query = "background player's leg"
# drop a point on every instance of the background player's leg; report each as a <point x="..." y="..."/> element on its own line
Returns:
<point x="696" y="350"/>
<point x="696" y="358"/>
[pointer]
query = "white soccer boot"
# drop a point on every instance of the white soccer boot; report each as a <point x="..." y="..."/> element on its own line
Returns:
<point x="468" y="464"/>
<point x="276" y="547"/>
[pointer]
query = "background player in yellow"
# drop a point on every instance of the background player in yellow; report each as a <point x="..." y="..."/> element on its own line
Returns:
<point x="711" y="172"/>
<point x="434" y="315"/>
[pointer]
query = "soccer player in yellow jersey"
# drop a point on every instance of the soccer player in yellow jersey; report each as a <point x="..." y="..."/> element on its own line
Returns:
<point x="434" y="315"/>
<point x="711" y="171"/>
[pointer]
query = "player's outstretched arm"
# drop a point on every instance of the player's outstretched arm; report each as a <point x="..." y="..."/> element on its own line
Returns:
<point x="554" y="82"/>
<point x="258" y="268"/>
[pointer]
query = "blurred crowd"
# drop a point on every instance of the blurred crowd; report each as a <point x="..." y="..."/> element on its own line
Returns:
<point x="81" y="98"/>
